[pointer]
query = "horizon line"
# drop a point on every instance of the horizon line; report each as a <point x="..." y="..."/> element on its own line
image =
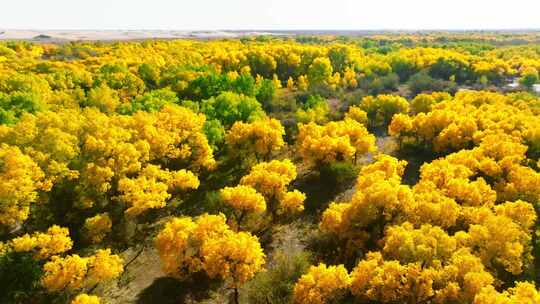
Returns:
<point x="280" y="30"/>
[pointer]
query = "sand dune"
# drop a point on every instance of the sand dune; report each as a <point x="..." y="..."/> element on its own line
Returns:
<point x="71" y="35"/>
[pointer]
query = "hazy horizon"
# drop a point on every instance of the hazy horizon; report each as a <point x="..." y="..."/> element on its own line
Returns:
<point x="288" y="30"/>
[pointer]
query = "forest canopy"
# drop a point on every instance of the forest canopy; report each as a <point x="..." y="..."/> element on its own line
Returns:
<point x="376" y="169"/>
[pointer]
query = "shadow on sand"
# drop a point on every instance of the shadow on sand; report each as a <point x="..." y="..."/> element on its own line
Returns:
<point x="168" y="290"/>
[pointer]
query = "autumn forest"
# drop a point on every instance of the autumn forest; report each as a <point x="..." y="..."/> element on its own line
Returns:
<point x="272" y="169"/>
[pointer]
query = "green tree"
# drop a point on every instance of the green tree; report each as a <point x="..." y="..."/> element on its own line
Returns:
<point x="150" y="102"/>
<point x="320" y="71"/>
<point x="229" y="107"/>
<point x="529" y="77"/>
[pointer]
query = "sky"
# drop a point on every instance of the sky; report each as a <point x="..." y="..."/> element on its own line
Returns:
<point x="269" y="14"/>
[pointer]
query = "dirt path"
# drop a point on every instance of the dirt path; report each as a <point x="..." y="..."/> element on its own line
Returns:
<point x="139" y="276"/>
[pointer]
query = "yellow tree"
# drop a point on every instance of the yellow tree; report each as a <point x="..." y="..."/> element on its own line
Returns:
<point x="151" y="189"/>
<point x="321" y="284"/>
<point x="97" y="227"/>
<point x="259" y="138"/>
<point x="43" y="244"/>
<point x="522" y="293"/>
<point x="336" y="141"/>
<point x="290" y="84"/>
<point x="379" y="199"/>
<point x="208" y="244"/>
<point x="74" y="272"/>
<point x="303" y="83"/>
<point x="458" y="280"/>
<point x="244" y="199"/>
<point x="86" y="299"/>
<point x="20" y="181"/>
<point x="272" y="180"/>
<point x="320" y="72"/>
<point x="235" y="257"/>
<point x="380" y="109"/>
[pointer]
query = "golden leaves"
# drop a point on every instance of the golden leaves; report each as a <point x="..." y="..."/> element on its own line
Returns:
<point x="20" y="180"/>
<point x="85" y="299"/>
<point x="97" y="227"/>
<point x="44" y="245"/>
<point x="243" y="198"/>
<point x="74" y="272"/>
<point x="261" y="137"/>
<point x="335" y="141"/>
<point x="321" y="284"/>
<point x="209" y="244"/>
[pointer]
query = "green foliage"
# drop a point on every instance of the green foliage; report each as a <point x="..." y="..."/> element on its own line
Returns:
<point x="266" y="93"/>
<point x="381" y="108"/>
<point x="276" y="285"/>
<point x="20" y="276"/>
<point x="215" y="133"/>
<point x="103" y="98"/>
<point x="403" y="68"/>
<point x="312" y="101"/>
<point x="529" y="78"/>
<point x="149" y="74"/>
<point x="383" y="84"/>
<point x="319" y="71"/>
<point x="422" y="82"/>
<point x="204" y="87"/>
<point x="192" y="105"/>
<point x="229" y="107"/>
<point x="119" y="77"/>
<point x="340" y="56"/>
<point x="21" y="93"/>
<point x="446" y="68"/>
<point x="13" y="105"/>
<point x="150" y="102"/>
<point x="314" y="109"/>
<point x="338" y="174"/>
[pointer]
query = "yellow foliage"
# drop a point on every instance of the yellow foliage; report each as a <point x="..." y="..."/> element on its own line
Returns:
<point x="303" y="83"/>
<point x="335" y="141"/>
<point x="379" y="196"/>
<point x="103" y="266"/>
<point x="97" y="227"/>
<point x="243" y="198"/>
<point x="290" y="83"/>
<point x="523" y="293"/>
<point x="209" y="244"/>
<point x="388" y="281"/>
<point x="74" y="272"/>
<point x="173" y="244"/>
<point x="292" y="201"/>
<point x="355" y="113"/>
<point x="271" y="178"/>
<point x="85" y="299"/>
<point x="458" y="280"/>
<point x="20" y="180"/>
<point x="44" y="245"/>
<point x="151" y="188"/>
<point x="64" y="273"/>
<point x="428" y="245"/>
<point x="260" y="137"/>
<point x="321" y="284"/>
<point x="380" y="109"/>
<point x="235" y="256"/>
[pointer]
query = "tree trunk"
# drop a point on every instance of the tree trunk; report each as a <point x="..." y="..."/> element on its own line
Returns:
<point x="236" y="296"/>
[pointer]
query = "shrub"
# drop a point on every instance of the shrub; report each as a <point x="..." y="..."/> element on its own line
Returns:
<point x="338" y="173"/>
<point x="277" y="283"/>
<point x="422" y="82"/>
<point x="20" y="276"/>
